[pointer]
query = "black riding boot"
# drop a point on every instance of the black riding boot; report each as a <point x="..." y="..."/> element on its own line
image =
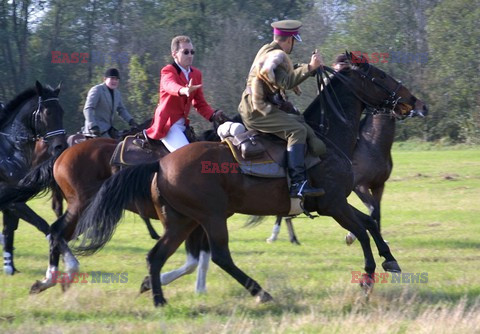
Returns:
<point x="297" y="173"/>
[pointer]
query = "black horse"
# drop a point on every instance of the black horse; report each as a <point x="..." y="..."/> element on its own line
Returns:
<point x="35" y="113"/>
<point x="185" y="198"/>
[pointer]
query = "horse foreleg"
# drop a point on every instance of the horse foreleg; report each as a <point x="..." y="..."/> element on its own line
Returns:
<point x="57" y="202"/>
<point x="390" y="264"/>
<point x="347" y="218"/>
<point x="10" y="224"/>
<point x="23" y="211"/>
<point x="276" y="230"/>
<point x="150" y="228"/>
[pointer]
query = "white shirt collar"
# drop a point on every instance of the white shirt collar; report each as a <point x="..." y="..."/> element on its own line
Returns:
<point x="184" y="70"/>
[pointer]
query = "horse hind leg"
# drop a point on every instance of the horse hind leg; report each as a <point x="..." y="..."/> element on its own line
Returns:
<point x="203" y="263"/>
<point x="367" y="199"/>
<point x="177" y="229"/>
<point x="291" y="231"/>
<point x="203" y="260"/>
<point x="57" y="202"/>
<point x="377" y="194"/>
<point x="276" y="230"/>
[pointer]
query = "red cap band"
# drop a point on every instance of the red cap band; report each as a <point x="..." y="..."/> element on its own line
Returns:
<point x="284" y="33"/>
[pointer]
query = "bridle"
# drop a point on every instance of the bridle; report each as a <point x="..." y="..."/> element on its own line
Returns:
<point x="36" y="122"/>
<point x="389" y="104"/>
<point x="386" y="107"/>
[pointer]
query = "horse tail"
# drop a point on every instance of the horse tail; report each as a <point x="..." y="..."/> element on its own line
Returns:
<point x="35" y="183"/>
<point x="98" y="222"/>
<point x="253" y="221"/>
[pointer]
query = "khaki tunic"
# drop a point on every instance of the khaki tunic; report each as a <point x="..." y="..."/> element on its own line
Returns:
<point x="289" y="127"/>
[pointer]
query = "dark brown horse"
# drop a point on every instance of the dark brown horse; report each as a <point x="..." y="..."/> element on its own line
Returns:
<point x="36" y="113"/>
<point x="372" y="166"/>
<point x="41" y="154"/>
<point x="185" y="197"/>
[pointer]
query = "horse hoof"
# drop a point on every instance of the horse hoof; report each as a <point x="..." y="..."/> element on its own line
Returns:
<point x="146" y="285"/>
<point x="263" y="297"/>
<point x="9" y="270"/>
<point x="40" y="286"/>
<point x="366" y="284"/>
<point x="65" y="287"/>
<point x="350" y="238"/>
<point x="36" y="288"/>
<point x="270" y="240"/>
<point x="391" y="266"/>
<point x="295" y="242"/>
<point x="159" y="301"/>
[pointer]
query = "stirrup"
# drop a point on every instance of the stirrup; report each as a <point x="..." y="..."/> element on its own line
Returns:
<point x="304" y="186"/>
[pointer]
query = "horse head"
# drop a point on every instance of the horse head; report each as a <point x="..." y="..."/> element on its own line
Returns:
<point x="385" y="92"/>
<point x="47" y="119"/>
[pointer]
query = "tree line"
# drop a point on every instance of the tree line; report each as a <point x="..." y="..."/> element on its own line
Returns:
<point x="432" y="46"/>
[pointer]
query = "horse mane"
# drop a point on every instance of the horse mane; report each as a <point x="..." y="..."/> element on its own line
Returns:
<point x="20" y="98"/>
<point x="311" y="114"/>
<point x="16" y="102"/>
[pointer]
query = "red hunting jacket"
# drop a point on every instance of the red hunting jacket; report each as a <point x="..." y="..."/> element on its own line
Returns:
<point x="172" y="106"/>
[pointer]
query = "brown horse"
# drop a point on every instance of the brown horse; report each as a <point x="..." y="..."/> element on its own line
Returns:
<point x="78" y="185"/>
<point x="41" y="154"/>
<point x="185" y="197"/>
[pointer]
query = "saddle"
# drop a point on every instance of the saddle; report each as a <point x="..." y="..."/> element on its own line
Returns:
<point x="261" y="154"/>
<point x="132" y="151"/>
<point x="76" y="139"/>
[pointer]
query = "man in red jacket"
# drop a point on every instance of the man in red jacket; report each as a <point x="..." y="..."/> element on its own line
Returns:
<point x="180" y="88"/>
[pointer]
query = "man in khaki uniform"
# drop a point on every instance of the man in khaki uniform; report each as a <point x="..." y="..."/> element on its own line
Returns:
<point x="272" y="118"/>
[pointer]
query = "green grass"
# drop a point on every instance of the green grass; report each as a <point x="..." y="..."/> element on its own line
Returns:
<point x="431" y="218"/>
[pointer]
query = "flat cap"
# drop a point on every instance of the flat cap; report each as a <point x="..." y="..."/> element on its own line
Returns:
<point x="287" y="28"/>
<point x="112" y="72"/>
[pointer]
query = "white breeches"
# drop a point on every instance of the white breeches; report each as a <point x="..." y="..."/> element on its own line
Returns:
<point x="175" y="137"/>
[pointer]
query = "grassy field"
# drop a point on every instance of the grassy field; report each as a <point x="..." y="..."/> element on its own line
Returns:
<point x="431" y="219"/>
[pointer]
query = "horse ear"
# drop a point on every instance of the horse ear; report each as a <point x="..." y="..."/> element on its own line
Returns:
<point x="39" y="88"/>
<point x="57" y="90"/>
<point x="348" y="55"/>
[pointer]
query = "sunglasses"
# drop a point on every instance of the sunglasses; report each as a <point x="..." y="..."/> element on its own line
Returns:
<point x="187" y="52"/>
